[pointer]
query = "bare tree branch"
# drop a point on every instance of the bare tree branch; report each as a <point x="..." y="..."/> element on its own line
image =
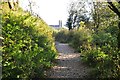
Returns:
<point x="110" y="7"/>
<point x="113" y="8"/>
<point x="119" y="2"/>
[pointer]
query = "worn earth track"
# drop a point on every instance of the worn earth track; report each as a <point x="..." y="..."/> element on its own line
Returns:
<point x="68" y="65"/>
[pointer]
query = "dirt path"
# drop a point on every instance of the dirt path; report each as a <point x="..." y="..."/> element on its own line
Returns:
<point x="68" y="65"/>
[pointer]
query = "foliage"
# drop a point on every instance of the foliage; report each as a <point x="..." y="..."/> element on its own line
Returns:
<point x="62" y="36"/>
<point x="79" y="39"/>
<point x="97" y="50"/>
<point x="115" y="8"/>
<point x="28" y="46"/>
<point x="98" y="46"/>
<point x="105" y="65"/>
<point x="77" y="12"/>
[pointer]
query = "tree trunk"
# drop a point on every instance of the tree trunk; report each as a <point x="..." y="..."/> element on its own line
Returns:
<point x="116" y="10"/>
<point x="11" y="5"/>
<point x="118" y="38"/>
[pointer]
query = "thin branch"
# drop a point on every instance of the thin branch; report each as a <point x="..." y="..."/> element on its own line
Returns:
<point x="119" y="2"/>
<point x="113" y="8"/>
<point x="110" y="7"/>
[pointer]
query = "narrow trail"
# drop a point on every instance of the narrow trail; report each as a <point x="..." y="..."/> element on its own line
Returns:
<point x="68" y="65"/>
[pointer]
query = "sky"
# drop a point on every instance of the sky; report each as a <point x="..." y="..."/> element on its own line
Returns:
<point x="51" y="11"/>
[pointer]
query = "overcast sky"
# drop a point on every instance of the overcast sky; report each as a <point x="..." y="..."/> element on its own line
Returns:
<point x="51" y="11"/>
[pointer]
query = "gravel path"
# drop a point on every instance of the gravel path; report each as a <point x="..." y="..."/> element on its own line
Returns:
<point x="68" y="65"/>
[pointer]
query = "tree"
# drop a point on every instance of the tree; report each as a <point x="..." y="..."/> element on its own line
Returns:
<point x="115" y="10"/>
<point x="77" y="12"/>
<point x="12" y="4"/>
<point x="96" y="15"/>
<point x="69" y="23"/>
<point x="32" y="6"/>
<point x="71" y="18"/>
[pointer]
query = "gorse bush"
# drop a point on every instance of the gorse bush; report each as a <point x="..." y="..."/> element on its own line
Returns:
<point x="28" y="46"/>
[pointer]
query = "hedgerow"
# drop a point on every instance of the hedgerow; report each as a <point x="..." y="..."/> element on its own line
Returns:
<point x="27" y="46"/>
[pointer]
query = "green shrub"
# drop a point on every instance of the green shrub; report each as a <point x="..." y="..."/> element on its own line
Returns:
<point x="105" y="65"/>
<point x="28" y="46"/>
<point x="62" y="36"/>
<point x="98" y="50"/>
<point x="79" y="39"/>
<point x="82" y="39"/>
<point x="109" y="67"/>
<point x="104" y="39"/>
<point x="92" y="57"/>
